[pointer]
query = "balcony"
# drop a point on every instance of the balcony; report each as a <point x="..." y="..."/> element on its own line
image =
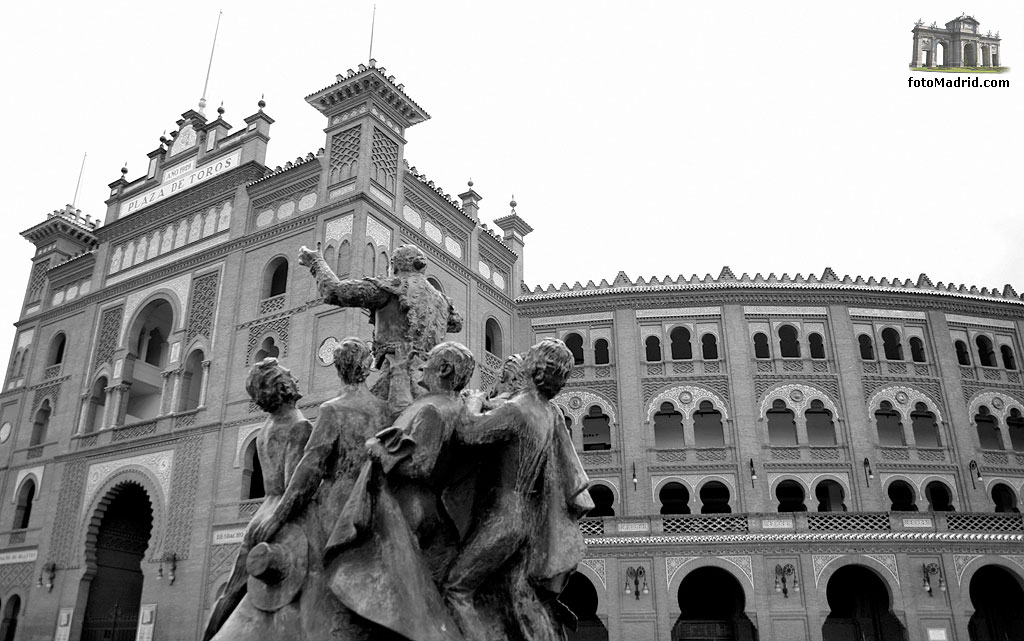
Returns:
<point x="272" y="304"/>
<point x="987" y="374"/>
<point x="1002" y="457"/>
<point x="589" y="372"/>
<point x="793" y="366"/>
<point x="693" y="455"/>
<point x="685" y="368"/>
<point x="600" y="458"/>
<point x="898" y="368"/>
<point x="802" y="522"/>
<point x="134" y="431"/>
<point x="807" y="453"/>
<point x="917" y="454"/>
<point x="24" y="536"/>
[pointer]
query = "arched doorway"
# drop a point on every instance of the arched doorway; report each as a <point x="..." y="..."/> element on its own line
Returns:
<point x="970" y="55"/>
<point x="859" y="603"/>
<point x="580" y="596"/>
<point x="711" y="608"/>
<point x="114" y="554"/>
<point x="9" y="624"/>
<point x="997" y="596"/>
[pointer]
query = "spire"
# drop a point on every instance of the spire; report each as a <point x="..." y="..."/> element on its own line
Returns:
<point x="206" y="83"/>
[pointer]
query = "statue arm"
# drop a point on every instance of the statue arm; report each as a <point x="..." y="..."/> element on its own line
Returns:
<point x="366" y="292"/>
<point x="500" y="424"/>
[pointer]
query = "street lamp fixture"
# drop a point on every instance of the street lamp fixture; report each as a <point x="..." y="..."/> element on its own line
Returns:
<point x="868" y="472"/>
<point x="636" y="575"/>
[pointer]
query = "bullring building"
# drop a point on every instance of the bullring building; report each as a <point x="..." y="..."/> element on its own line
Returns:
<point x="774" y="458"/>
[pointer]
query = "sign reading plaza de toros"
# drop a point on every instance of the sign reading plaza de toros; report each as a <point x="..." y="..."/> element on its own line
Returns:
<point x="180" y="178"/>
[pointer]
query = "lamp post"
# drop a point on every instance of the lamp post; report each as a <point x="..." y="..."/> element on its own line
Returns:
<point x="975" y="473"/>
<point x="753" y="473"/>
<point x="782" y="579"/>
<point x="868" y="473"/>
<point x="636" y="575"/>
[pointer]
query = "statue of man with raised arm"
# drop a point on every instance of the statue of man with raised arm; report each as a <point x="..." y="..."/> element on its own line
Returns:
<point x="409" y="315"/>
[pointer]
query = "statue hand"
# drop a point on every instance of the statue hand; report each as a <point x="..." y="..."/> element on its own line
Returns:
<point x="307" y="255"/>
<point x="375" y="449"/>
<point x="264" y="531"/>
<point x="475" y="401"/>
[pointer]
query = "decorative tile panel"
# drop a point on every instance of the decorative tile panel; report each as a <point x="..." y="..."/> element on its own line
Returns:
<point x="822" y="561"/>
<point x="599" y="568"/>
<point x="674" y="563"/>
<point x="159" y="464"/>
<point x="744" y="564"/>
<point x="960" y="563"/>
<point x="687" y="398"/>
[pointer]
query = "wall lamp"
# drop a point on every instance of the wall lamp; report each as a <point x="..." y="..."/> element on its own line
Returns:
<point x="868" y="473"/>
<point x="634" y="476"/>
<point x="172" y="561"/>
<point x="753" y="473"/>
<point x="49" y="571"/>
<point x="636" y="575"/>
<point x="976" y="473"/>
<point x="930" y="569"/>
<point x="782" y="577"/>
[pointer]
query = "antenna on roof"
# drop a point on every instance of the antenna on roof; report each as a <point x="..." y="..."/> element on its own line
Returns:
<point x="202" y="101"/>
<point x="81" y="170"/>
<point x="373" y="22"/>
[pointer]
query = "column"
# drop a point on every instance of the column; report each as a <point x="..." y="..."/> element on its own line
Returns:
<point x="108" y="408"/>
<point x="801" y="428"/>
<point x="120" y="406"/>
<point x="203" y="383"/>
<point x="176" y="396"/>
<point x="165" y="391"/>
<point x="908" y="428"/>
<point x="916" y="56"/>
<point x="689" y="440"/>
<point x="83" y="412"/>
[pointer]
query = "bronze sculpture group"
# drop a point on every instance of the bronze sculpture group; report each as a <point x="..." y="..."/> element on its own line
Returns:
<point x="416" y="510"/>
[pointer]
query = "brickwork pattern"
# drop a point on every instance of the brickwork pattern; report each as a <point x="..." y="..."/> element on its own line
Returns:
<point x="202" y="307"/>
<point x="65" y="529"/>
<point x="344" y="154"/>
<point x="110" y="329"/>
<point x="184" y="484"/>
<point x="384" y="159"/>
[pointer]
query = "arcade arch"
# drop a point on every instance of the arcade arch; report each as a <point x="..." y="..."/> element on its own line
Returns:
<point x="712" y="605"/>
<point x="860" y="607"/>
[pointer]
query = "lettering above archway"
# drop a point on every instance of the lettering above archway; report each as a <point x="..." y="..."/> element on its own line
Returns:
<point x="686" y="398"/>
<point x="797" y="397"/>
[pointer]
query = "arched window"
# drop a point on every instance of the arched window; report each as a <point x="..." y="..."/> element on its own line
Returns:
<point x="1009" y="362"/>
<point x="652" y="349"/>
<point x="761" y="346"/>
<point x="707" y="426"/>
<point x="890" y="428"/>
<point x="902" y="496"/>
<point x="1015" y="427"/>
<point x="252" y="474"/>
<point x="492" y="337"/>
<point x="891" y="344"/>
<point x="668" y="428"/>
<point x="344" y="258"/>
<point x="604" y="501"/>
<point x="714" y="498"/>
<point x="370" y="261"/>
<point x="790" y="495"/>
<point x="674" y="499"/>
<point x="267" y="349"/>
<point x="962" y="355"/>
<point x="789" y="342"/>
<point x="153" y="325"/>
<point x="275" y="278"/>
<point x="867" y="348"/>
<point x="575" y="344"/>
<point x="680" y="344"/>
<point x="926" y="430"/>
<point x="597" y="431"/>
<point x="56" y="354"/>
<point x="601" y="356"/>
<point x="709" y="347"/>
<point x="192" y="381"/>
<point x="1004" y="498"/>
<point x="939" y="497"/>
<point x="817" y="344"/>
<point x="331" y="256"/>
<point x="917" y="350"/>
<point x="830" y="496"/>
<point x="781" y="425"/>
<point x="436" y="284"/>
<point x="23" y="510"/>
<point x="988" y="430"/>
<point x="9" y="624"/>
<point x="96" y="406"/>
<point x="986" y="356"/>
<point x="821" y="430"/>
<point x="41" y="424"/>
<point x="383" y="265"/>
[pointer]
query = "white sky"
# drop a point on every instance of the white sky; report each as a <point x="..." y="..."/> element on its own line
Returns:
<point x="652" y="137"/>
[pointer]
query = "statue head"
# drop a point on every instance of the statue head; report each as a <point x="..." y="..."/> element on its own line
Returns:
<point x="448" y="367"/>
<point x="547" y="365"/>
<point x="408" y="259"/>
<point x="511" y="378"/>
<point x="352" y="359"/>
<point x="271" y="386"/>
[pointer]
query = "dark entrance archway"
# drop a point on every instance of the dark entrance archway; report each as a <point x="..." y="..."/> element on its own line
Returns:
<point x="9" y="623"/>
<point x="711" y="608"/>
<point x="114" y="556"/>
<point x="859" y="601"/>
<point x="997" y="597"/>
<point x="580" y="596"/>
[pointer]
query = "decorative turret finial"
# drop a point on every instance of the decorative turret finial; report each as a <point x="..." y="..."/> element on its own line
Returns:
<point x="163" y="138"/>
<point x="124" y="170"/>
<point x="220" y="109"/>
<point x="470" y="183"/>
<point x="512" y="203"/>
<point x="262" y="103"/>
